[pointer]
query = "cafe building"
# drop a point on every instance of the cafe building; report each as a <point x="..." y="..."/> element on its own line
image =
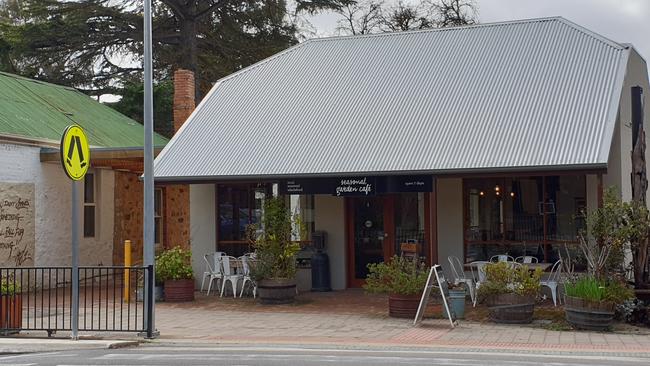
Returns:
<point x="469" y="141"/>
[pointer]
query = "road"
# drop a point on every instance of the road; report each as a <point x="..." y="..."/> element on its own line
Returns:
<point x="287" y="356"/>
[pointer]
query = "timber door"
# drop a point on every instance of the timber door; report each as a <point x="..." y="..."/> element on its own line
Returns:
<point x="370" y="235"/>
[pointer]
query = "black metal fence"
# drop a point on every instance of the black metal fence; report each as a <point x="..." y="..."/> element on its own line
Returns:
<point x="111" y="299"/>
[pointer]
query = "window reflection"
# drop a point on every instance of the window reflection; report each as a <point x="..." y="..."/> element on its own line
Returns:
<point x="522" y="215"/>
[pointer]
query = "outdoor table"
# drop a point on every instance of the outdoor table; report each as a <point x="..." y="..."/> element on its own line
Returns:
<point x="531" y="266"/>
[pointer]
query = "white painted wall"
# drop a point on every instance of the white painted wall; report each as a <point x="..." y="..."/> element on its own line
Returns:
<point x="450" y="220"/>
<point x="52" y="190"/>
<point x="620" y="163"/>
<point x="330" y="217"/>
<point x="202" y="226"/>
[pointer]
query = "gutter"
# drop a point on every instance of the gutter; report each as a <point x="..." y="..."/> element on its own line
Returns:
<point x="599" y="168"/>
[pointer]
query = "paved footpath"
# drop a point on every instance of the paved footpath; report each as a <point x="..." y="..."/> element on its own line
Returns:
<point x="224" y="322"/>
<point x="347" y="320"/>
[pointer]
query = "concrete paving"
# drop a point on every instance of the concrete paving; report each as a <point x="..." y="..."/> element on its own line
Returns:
<point x="337" y="319"/>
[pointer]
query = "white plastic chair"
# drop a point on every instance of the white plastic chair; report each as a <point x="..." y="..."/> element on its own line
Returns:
<point x="526" y="259"/>
<point x="246" y="275"/>
<point x="458" y="271"/>
<point x="502" y="258"/>
<point x="229" y="274"/>
<point x="212" y="270"/>
<point x="553" y="280"/>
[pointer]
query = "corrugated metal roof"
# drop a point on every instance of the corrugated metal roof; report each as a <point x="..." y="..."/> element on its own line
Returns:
<point x="38" y="110"/>
<point x="533" y="94"/>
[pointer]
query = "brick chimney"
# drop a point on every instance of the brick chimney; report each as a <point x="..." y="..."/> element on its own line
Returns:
<point x="183" y="96"/>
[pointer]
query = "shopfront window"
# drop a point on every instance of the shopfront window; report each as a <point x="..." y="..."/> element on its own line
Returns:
<point x="409" y="224"/>
<point x="522" y="216"/>
<point x="302" y="211"/>
<point x="238" y="206"/>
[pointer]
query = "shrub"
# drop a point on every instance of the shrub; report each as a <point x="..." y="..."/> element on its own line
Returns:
<point x="632" y="311"/>
<point x="174" y="264"/>
<point x="276" y="253"/>
<point x="504" y="278"/>
<point x="399" y="275"/>
<point x="9" y="287"/>
<point x="592" y="289"/>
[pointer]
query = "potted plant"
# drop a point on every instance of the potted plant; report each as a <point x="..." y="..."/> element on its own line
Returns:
<point x="590" y="302"/>
<point x="11" y="308"/>
<point x="510" y="292"/>
<point x="274" y="270"/>
<point x="403" y="280"/>
<point x="174" y="269"/>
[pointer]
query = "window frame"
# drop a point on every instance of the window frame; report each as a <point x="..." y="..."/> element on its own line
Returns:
<point x="158" y="217"/>
<point x="502" y="181"/>
<point x="92" y="204"/>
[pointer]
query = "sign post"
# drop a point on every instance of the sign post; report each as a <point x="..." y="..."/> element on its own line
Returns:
<point x="75" y="158"/>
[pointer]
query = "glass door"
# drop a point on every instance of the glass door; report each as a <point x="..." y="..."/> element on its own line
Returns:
<point x="370" y="235"/>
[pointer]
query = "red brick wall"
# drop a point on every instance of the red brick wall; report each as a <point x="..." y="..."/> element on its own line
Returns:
<point x="184" y="93"/>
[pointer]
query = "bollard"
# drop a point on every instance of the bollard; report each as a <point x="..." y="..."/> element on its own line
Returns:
<point x="127" y="272"/>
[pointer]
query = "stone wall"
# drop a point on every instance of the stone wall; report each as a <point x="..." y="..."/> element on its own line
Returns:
<point x="17" y="237"/>
<point x="50" y="237"/>
<point x="129" y="216"/>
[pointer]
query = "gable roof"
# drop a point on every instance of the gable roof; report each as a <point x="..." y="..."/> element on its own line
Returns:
<point x="524" y="95"/>
<point x="37" y="110"/>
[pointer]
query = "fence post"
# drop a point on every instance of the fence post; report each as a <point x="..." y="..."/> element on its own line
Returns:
<point x="149" y="294"/>
<point x="127" y="272"/>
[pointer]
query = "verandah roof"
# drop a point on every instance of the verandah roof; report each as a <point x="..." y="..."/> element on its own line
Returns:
<point x="524" y="95"/>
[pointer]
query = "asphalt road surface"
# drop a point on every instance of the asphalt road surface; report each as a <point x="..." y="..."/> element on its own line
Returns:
<point x="285" y="356"/>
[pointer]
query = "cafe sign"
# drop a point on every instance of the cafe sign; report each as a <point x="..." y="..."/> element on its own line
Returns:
<point x="358" y="186"/>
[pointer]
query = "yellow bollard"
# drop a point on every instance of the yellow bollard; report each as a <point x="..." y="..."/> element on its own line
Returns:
<point x="127" y="272"/>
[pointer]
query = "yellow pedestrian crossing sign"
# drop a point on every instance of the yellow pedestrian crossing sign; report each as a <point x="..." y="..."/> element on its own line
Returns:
<point x="75" y="152"/>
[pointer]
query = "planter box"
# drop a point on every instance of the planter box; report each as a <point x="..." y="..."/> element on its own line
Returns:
<point x="11" y="312"/>
<point x="179" y="290"/>
<point x="511" y="308"/>
<point x="403" y="306"/>
<point x="588" y="315"/>
<point x="276" y="291"/>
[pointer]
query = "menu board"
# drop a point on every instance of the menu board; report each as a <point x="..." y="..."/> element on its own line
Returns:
<point x="440" y="283"/>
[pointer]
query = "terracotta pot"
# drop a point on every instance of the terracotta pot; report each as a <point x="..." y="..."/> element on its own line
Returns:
<point x="11" y="312"/>
<point x="511" y="308"/>
<point x="588" y="315"/>
<point x="179" y="290"/>
<point x="403" y="306"/>
<point x="277" y="290"/>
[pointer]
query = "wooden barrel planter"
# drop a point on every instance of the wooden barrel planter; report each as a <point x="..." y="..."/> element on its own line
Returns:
<point x="276" y="291"/>
<point x="403" y="306"/>
<point x="588" y="315"/>
<point x="511" y="308"/>
<point x="11" y="313"/>
<point x="179" y="290"/>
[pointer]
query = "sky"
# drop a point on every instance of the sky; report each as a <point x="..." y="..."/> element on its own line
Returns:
<point x="623" y="21"/>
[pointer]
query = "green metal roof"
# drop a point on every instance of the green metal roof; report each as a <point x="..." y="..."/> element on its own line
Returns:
<point x="37" y="110"/>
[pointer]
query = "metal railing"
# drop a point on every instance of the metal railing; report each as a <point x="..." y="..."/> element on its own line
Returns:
<point x="111" y="299"/>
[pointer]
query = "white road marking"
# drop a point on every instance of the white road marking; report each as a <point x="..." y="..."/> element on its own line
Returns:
<point x="497" y="360"/>
<point x="582" y="357"/>
<point x="31" y="355"/>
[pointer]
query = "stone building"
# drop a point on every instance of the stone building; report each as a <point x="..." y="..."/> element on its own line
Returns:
<point x="35" y="207"/>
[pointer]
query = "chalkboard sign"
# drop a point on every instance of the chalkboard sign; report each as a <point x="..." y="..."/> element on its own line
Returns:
<point x="436" y="271"/>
